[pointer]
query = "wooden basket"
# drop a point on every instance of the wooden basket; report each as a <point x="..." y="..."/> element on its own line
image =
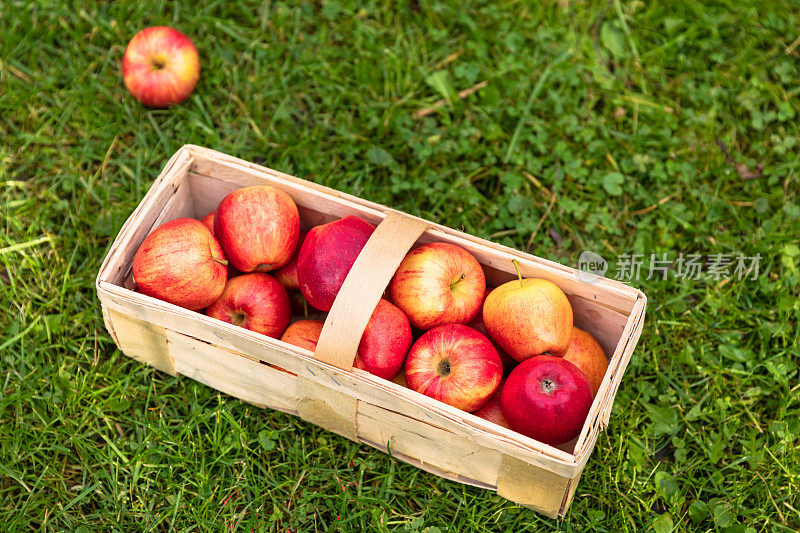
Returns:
<point x="322" y="387"/>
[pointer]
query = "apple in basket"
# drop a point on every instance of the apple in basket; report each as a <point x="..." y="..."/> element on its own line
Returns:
<point x="181" y="263"/>
<point x="303" y="334"/>
<point x="492" y="411"/>
<point x="546" y="398"/>
<point x="254" y="301"/>
<point x="478" y="324"/>
<point x="160" y="66"/>
<point x="587" y="354"/>
<point x="528" y="317"/>
<point x="287" y="274"/>
<point x="454" y="364"/>
<point x="327" y="255"/>
<point x="438" y="283"/>
<point x="385" y="343"/>
<point x="258" y="227"/>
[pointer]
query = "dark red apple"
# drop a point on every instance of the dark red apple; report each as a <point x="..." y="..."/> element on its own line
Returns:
<point x="478" y="324"/>
<point x="385" y="342"/>
<point x="181" y="263"/>
<point x="438" y="283"/>
<point x="254" y="301"/>
<point x="327" y="255"/>
<point x="456" y="365"/>
<point x="160" y="66"/>
<point x="491" y="410"/>
<point x="304" y="334"/>
<point x="546" y="398"/>
<point x="287" y="274"/>
<point x="258" y="228"/>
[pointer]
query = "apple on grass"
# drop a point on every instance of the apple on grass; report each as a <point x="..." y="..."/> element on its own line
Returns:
<point x="258" y="228"/>
<point x="438" y="283"/>
<point x="254" y="301"/>
<point x="529" y="317"/>
<point x="587" y="354"/>
<point x="181" y="263"/>
<point x="160" y="66"/>
<point x="456" y="365"/>
<point x="546" y="398"/>
<point x="327" y="255"/>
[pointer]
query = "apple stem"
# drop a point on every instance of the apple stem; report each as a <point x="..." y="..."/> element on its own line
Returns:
<point x="459" y="280"/>
<point x="223" y="262"/>
<point x="519" y="274"/>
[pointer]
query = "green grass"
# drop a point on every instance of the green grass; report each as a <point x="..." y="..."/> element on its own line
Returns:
<point x="614" y="107"/>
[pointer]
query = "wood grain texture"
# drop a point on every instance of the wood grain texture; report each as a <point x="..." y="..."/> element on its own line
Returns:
<point x="327" y="407"/>
<point x="142" y="340"/>
<point x="428" y="444"/>
<point x="531" y="486"/>
<point x="231" y="373"/>
<point x="364" y="286"/>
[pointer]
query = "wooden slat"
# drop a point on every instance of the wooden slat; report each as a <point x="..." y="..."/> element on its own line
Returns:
<point x="608" y="387"/>
<point x="427" y="467"/>
<point x="532" y="486"/>
<point x="141" y="340"/>
<point x="571" y="488"/>
<point x="428" y="444"/>
<point x="232" y="374"/>
<point x="327" y="407"/>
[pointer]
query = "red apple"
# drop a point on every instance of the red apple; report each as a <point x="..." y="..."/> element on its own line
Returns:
<point x="208" y="220"/>
<point x="528" y="317"/>
<point x="181" y="263"/>
<point x="585" y="353"/>
<point x="287" y="274"/>
<point x="438" y="283"/>
<point x="477" y="324"/>
<point x="303" y="333"/>
<point x="160" y="66"/>
<point x="385" y="342"/>
<point x="491" y="410"/>
<point x="456" y="365"/>
<point x="258" y="228"/>
<point x="327" y="255"/>
<point x="254" y="301"/>
<point x="546" y="398"/>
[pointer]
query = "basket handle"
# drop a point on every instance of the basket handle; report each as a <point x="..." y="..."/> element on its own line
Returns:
<point x="364" y="286"/>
